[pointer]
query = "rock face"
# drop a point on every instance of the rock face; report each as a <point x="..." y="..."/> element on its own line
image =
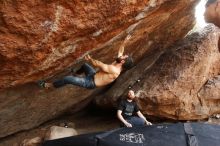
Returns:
<point x="39" y="39"/>
<point x="83" y="122"/>
<point x="210" y="95"/>
<point x="26" y="106"/>
<point x="174" y="86"/>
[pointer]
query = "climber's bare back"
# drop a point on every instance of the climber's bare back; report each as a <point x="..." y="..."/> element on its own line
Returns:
<point x="102" y="78"/>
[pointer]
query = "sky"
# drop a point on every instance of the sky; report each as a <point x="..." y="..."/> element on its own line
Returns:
<point x="200" y="9"/>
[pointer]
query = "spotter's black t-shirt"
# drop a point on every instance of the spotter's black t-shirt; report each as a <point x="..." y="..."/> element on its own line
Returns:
<point x="128" y="108"/>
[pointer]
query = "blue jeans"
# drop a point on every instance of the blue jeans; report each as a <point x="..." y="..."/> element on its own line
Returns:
<point x="135" y="121"/>
<point x="86" y="82"/>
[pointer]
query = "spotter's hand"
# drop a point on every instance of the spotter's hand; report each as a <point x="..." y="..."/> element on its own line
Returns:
<point x="148" y="123"/>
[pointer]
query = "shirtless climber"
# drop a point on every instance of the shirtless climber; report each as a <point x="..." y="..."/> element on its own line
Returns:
<point x="212" y="13"/>
<point x="107" y="72"/>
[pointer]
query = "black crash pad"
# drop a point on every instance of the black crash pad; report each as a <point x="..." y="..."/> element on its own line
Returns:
<point x="180" y="134"/>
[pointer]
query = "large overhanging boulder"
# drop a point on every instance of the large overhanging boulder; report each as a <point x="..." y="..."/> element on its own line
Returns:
<point x="39" y="39"/>
<point x="174" y="86"/>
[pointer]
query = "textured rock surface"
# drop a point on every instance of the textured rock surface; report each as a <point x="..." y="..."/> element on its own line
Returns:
<point x="210" y="95"/>
<point x="84" y="122"/>
<point x="39" y="39"/>
<point x="170" y="87"/>
<point x="26" y="107"/>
